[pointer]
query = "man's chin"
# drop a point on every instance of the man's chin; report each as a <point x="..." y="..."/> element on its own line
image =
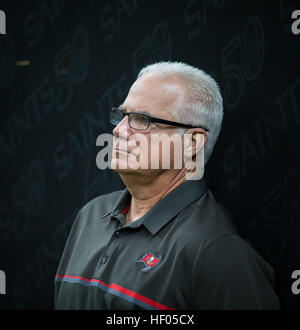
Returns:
<point x="121" y="166"/>
<point x="124" y="170"/>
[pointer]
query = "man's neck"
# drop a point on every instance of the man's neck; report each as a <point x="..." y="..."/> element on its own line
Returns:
<point x="146" y="191"/>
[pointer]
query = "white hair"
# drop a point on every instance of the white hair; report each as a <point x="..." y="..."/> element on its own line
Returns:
<point x="202" y="104"/>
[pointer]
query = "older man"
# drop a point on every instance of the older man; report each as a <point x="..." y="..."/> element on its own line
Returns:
<point x="164" y="242"/>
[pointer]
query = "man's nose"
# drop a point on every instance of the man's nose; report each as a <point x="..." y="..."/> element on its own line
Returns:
<point x="122" y="127"/>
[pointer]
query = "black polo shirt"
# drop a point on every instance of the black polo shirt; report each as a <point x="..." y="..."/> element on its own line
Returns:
<point x="184" y="253"/>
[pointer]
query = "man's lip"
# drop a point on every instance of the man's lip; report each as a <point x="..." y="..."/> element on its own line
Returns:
<point x="127" y="152"/>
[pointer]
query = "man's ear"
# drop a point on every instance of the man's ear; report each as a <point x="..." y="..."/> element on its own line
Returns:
<point x="194" y="140"/>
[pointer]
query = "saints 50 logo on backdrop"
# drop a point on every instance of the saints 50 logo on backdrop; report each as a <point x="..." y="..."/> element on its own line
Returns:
<point x="2" y="22"/>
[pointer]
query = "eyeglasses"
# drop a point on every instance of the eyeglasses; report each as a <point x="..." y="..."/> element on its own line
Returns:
<point x="140" y="121"/>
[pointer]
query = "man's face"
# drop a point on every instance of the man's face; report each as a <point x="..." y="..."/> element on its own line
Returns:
<point x="158" y="98"/>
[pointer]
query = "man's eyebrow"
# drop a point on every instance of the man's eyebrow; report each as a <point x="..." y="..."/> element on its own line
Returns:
<point x="142" y="112"/>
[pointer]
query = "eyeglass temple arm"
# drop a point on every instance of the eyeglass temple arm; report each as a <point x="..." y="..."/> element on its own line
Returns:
<point x="173" y="123"/>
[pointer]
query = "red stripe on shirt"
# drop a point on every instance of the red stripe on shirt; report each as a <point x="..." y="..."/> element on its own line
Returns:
<point x="124" y="291"/>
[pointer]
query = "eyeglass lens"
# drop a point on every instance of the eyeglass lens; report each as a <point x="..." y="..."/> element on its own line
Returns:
<point x="136" y="121"/>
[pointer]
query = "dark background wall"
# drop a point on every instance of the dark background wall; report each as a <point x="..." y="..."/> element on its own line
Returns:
<point x="84" y="55"/>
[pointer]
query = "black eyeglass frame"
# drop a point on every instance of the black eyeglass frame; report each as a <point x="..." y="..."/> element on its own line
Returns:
<point x="155" y="120"/>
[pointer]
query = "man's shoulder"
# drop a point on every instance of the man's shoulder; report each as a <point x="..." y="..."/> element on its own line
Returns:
<point x="208" y="223"/>
<point x="211" y="225"/>
<point x="209" y="218"/>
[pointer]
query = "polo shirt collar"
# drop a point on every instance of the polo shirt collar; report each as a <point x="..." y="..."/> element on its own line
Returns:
<point x="168" y="207"/>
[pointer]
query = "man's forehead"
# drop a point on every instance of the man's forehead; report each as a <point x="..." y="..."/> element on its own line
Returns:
<point x="157" y="82"/>
<point x="153" y="90"/>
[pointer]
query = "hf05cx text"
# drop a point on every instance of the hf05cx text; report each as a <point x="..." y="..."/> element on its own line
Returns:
<point x="171" y="319"/>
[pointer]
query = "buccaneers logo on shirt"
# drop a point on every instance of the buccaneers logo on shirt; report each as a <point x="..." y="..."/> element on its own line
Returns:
<point x="149" y="260"/>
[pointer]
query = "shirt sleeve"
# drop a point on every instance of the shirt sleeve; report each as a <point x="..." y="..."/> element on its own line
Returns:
<point x="232" y="275"/>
